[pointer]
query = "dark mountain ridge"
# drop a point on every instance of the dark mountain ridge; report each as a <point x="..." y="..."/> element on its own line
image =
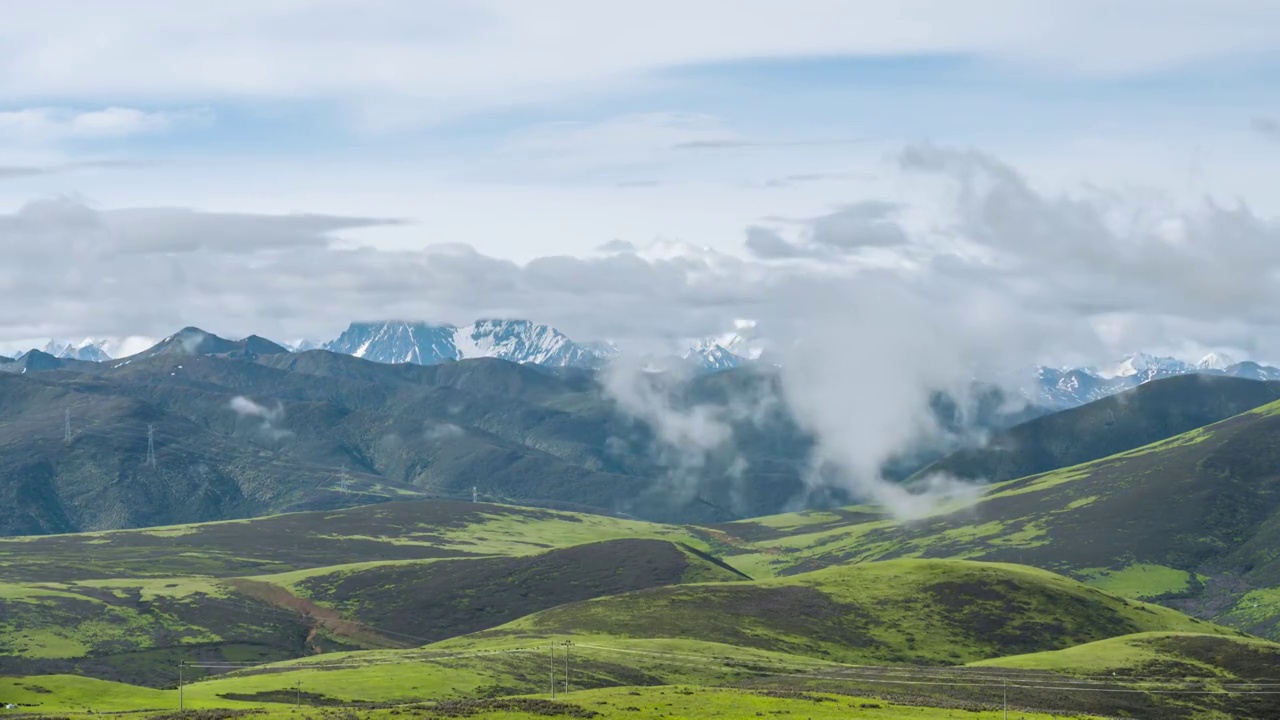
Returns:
<point x="1150" y="412"/>
<point x="244" y="428"/>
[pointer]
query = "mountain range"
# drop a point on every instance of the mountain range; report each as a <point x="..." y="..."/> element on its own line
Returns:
<point x="246" y="427"/>
<point x="527" y="342"/>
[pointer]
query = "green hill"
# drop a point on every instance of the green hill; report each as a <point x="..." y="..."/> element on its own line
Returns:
<point x="417" y="530"/>
<point x="120" y="605"/>
<point x="904" y="611"/>
<point x="1188" y="656"/>
<point x="1192" y="521"/>
<point x="1150" y="412"/>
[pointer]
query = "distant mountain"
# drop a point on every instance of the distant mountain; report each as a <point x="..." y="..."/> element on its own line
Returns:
<point x="1215" y="361"/>
<point x="1063" y="388"/>
<point x="194" y="342"/>
<point x="519" y="341"/>
<point x="710" y="356"/>
<point x="1145" y="414"/>
<point x="303" y="345"/>
<point x="1252" y="371"/>
<point x="245" y="428"/>
<point x="40" y="361"/>
<point x="89" y="350"/>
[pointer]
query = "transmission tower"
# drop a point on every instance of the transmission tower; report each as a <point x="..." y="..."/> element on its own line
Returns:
<point x="342" y="478"/>
<point x="66" y="433"/>
<point x="475" y="494"/>
<point x="151" y="445"/>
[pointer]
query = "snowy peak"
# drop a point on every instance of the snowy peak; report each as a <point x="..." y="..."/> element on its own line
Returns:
<point x="1215" y="361"/>
<point x="88" y="349"/>
<point x="524" y="342"/>
<point x="519" y="341"/>
<point x="397" y="342"/>
<point x="1067" y="387"/>
<point x="1144" y="366"/>
<point x="711" y="356"/>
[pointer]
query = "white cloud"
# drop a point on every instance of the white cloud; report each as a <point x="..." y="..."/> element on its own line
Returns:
<point x="51" y="125"/>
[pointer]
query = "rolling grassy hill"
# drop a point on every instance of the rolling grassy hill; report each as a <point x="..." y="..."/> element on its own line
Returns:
<point x="934" y="612"/>
<point x="1192" y="521"/>
<point x="120" y="604"/>
<point x="334" y="601"/>
<point x="411" y="530"/>
<point x="63" y="694"/>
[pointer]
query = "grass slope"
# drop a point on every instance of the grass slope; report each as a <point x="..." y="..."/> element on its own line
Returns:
<point x="69" y="695"/>
<point x="127" y="628"/>
<point x="297" y="541"/>
<point x="1206" y="665"/>
<point x="907" y="611"/>
<point x="1159" y="654"/>
<point x="1192" y="521"/>
<point x="434" y="600"/>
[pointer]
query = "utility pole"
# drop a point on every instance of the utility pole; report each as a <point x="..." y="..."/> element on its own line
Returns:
<point x="553" y="671"/>
<point x="1006" y="699"/>
<point x="297" y="698"/>
<point x="151" y="445"/>
<point x="567" y="644"/>
<point x="66" y="433"/>
<point x="181" y="663"/>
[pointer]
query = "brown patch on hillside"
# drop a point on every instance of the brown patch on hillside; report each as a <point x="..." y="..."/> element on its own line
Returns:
<point x="320" y="617"/>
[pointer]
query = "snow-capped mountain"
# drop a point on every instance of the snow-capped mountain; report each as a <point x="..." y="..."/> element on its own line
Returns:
<point x="1144" y="366"/>
<point x="420" y="343"/>
<point x="711" y="356"/>
<point x="1215" y="361"/>
<point x="1069" y="387"/>
<point x="303" y="345"/>
<point x="736" y="348"/>
<point x="88" y="349"/>
<point x="93" y="349"/>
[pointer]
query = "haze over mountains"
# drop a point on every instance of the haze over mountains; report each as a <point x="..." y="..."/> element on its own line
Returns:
<point x="247" y="427"/>
<point x="525" y="341"/>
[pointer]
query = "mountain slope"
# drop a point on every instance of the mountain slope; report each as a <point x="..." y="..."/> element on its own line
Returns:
<point x="905" y="611"/>
<point x="1192" y="521"/>
<point x="125" y="628"/>
<point x="1148" y="413"/>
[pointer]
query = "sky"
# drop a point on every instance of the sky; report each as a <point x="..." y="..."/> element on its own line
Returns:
<point x="1063" y="181"/>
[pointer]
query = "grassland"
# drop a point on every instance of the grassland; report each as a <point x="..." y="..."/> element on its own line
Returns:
<point x="935" y="612"/>
<point x="666" y="701"/>
<point x="299" y="541"/>
<point x="1191" y="521"/>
